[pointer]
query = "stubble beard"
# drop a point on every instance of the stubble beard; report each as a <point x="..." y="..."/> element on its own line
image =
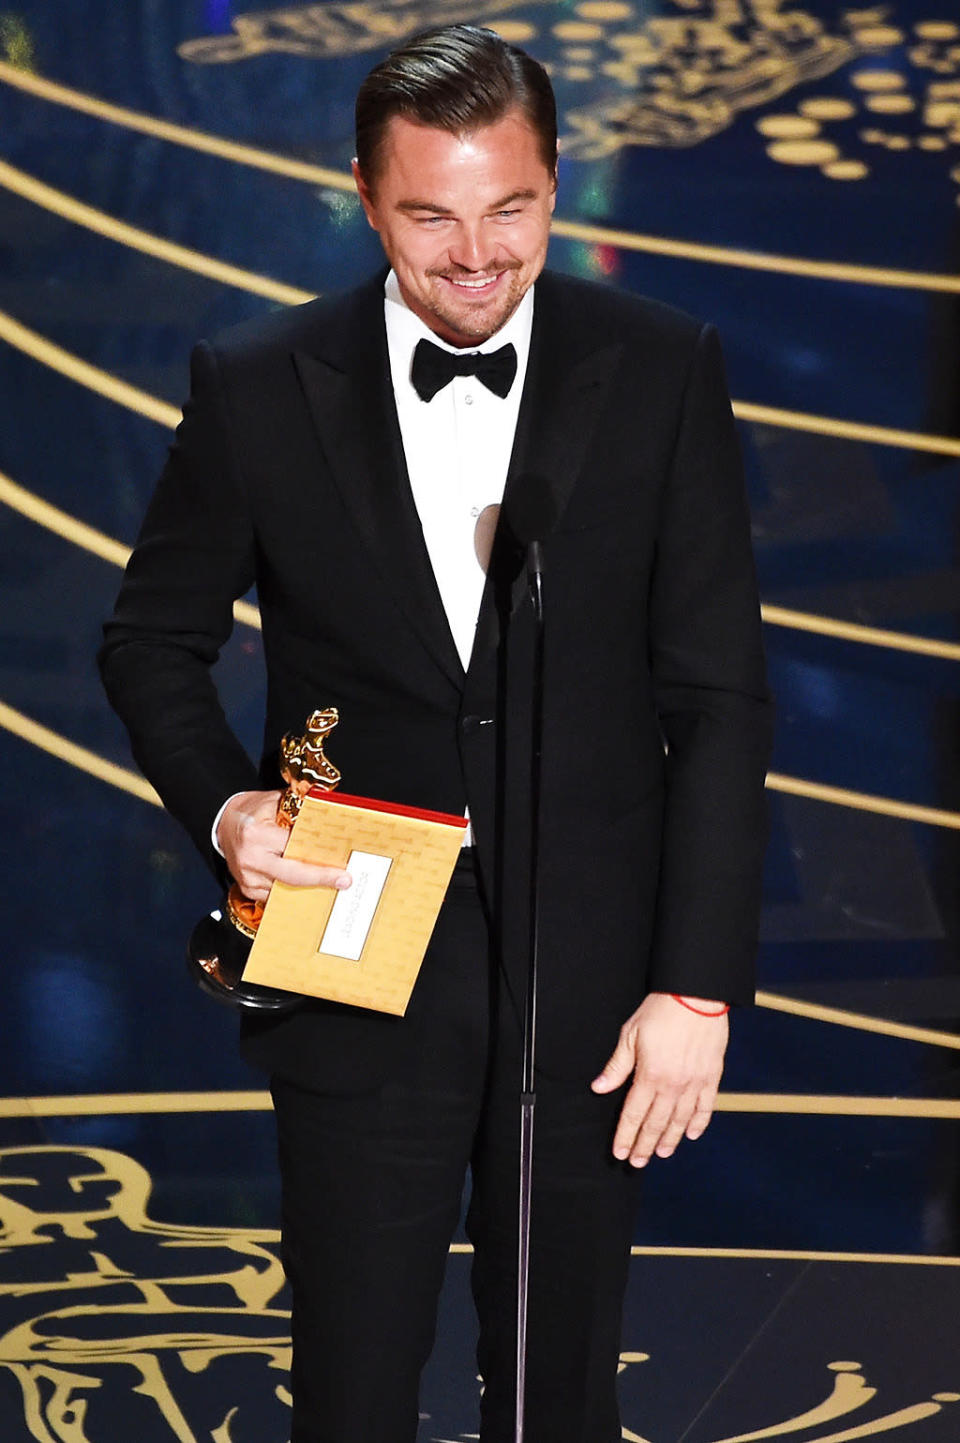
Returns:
<point x="474" y="324"/>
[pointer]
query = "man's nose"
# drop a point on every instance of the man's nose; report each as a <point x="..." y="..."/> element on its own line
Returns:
<point x="471" y="250"/>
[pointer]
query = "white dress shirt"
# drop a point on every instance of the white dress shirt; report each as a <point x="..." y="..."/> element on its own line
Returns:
<point x="457" y="448"/>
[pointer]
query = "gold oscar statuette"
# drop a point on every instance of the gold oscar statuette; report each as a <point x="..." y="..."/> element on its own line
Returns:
<point x="220" y="942"/>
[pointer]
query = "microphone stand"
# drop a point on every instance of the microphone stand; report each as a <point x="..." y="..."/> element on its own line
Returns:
<point x="528" y="1097"/>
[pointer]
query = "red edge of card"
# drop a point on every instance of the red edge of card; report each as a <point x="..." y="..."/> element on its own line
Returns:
<point x="396" y="809"/>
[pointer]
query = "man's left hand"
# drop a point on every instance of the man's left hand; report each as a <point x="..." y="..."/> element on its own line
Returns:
<point x="676" y="1058"/>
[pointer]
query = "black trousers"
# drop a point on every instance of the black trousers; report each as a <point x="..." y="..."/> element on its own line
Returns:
<point x="372" y="1187"/>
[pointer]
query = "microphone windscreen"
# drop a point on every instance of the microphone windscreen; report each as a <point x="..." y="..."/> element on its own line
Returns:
<point x="531" y="509"/>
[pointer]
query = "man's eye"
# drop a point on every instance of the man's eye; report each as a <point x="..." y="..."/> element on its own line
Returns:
<point x="507" y="214"/>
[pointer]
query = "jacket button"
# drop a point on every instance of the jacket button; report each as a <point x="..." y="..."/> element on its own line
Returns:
<point x="469" y="725"/>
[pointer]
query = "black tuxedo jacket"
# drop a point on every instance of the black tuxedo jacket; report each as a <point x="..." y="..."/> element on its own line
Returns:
<point x="288" y="471"/>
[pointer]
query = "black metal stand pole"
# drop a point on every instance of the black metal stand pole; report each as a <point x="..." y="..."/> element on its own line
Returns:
<point x="528" y="1095"/>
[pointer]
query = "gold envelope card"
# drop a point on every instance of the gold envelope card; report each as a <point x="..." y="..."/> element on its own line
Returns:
<point x="363" y="945"/>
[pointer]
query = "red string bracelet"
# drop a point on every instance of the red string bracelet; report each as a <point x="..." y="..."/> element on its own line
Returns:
<point x="701" y="1011"/>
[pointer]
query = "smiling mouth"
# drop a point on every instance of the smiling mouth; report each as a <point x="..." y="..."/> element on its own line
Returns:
<point x="475" y="285"/>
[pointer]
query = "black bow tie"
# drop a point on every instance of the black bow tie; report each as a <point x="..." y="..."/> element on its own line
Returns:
<point x="434" y="368"/>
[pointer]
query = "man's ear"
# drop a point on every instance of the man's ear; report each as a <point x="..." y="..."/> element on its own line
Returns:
<point x="365" y="194"/>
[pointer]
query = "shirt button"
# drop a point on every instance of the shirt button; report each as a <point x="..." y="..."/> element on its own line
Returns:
<point x="468" y="400"/>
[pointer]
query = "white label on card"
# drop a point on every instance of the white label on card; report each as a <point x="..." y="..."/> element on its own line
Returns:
<point x="345" y="934"/>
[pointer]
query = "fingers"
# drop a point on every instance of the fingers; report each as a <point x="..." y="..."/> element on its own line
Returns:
<point x="255" y="880"/>
<point x="690" y="1118"/>
<point x="637" y="1114"/>
<point x="306" y="874"/>
<point x="253" y="846"/>
<point x="702" y="1113"/>
<point x="651" y="1121"/>
<point x="655" y="1122"/>
<point x="670" y="1137"/>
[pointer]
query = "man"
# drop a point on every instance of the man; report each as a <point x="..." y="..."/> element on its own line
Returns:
<point x="329" y="455"/>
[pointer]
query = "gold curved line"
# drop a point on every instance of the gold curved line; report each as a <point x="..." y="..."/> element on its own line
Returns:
<point x="569" y="230"/>
<point x="88" y="538"/>
<point x="792" y="1103"/>
<point x="929" y="1260"/>
<point x="853" y="631"/>
<point x="830" y="1105"/>
<point x="76" y="756"/>
<point x="247" y="615"/>
<point x="70" y="209"/>
<point x="858" y="1021"/>
<point x="787" y="1255"/>
<point x="18" y="498"/>
<point x="845" y="430"/>
<point x="757" y="260"/>
<point x="102" y="382"/>
<point x="116" y="1104"/>
<point x="67" y="526"/>
<point x="110" y="386"/>
<point x="179" y="134"/>
<point x="862" y="801"/>
<point x="80" y="534"/>
<point x="95" y="541"/>
<point x="119" y="776"/>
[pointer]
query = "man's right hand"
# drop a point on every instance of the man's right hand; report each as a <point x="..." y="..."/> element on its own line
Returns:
<point x="252" y="844"/>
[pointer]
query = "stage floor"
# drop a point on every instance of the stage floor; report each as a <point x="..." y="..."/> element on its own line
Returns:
<point x="790" y="173"/>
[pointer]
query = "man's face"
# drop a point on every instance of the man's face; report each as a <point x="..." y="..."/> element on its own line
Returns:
<point x="464" y="220"/>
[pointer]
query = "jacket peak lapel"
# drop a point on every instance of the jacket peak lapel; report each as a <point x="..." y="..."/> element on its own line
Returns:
<point x="566" y="383"/>
<point x="347" y="387"/>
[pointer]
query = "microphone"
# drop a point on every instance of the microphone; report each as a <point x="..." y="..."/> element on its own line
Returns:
<point x="531" y="513"/>
<point x="531" y="516"/>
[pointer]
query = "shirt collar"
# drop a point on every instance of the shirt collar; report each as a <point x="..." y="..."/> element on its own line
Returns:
<point x="405" y="329"/>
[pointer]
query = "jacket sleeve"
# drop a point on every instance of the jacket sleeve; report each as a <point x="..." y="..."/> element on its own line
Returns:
<point x="193" y="558"/>
<point x="714" y="709"/>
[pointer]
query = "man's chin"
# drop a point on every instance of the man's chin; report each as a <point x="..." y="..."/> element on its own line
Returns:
<point x="474" y="324"/>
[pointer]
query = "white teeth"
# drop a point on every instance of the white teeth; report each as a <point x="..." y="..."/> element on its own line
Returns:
<point x="473" y="285"/>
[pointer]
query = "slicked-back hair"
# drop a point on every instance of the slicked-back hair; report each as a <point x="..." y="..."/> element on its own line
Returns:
<point x="456" y="78"/>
